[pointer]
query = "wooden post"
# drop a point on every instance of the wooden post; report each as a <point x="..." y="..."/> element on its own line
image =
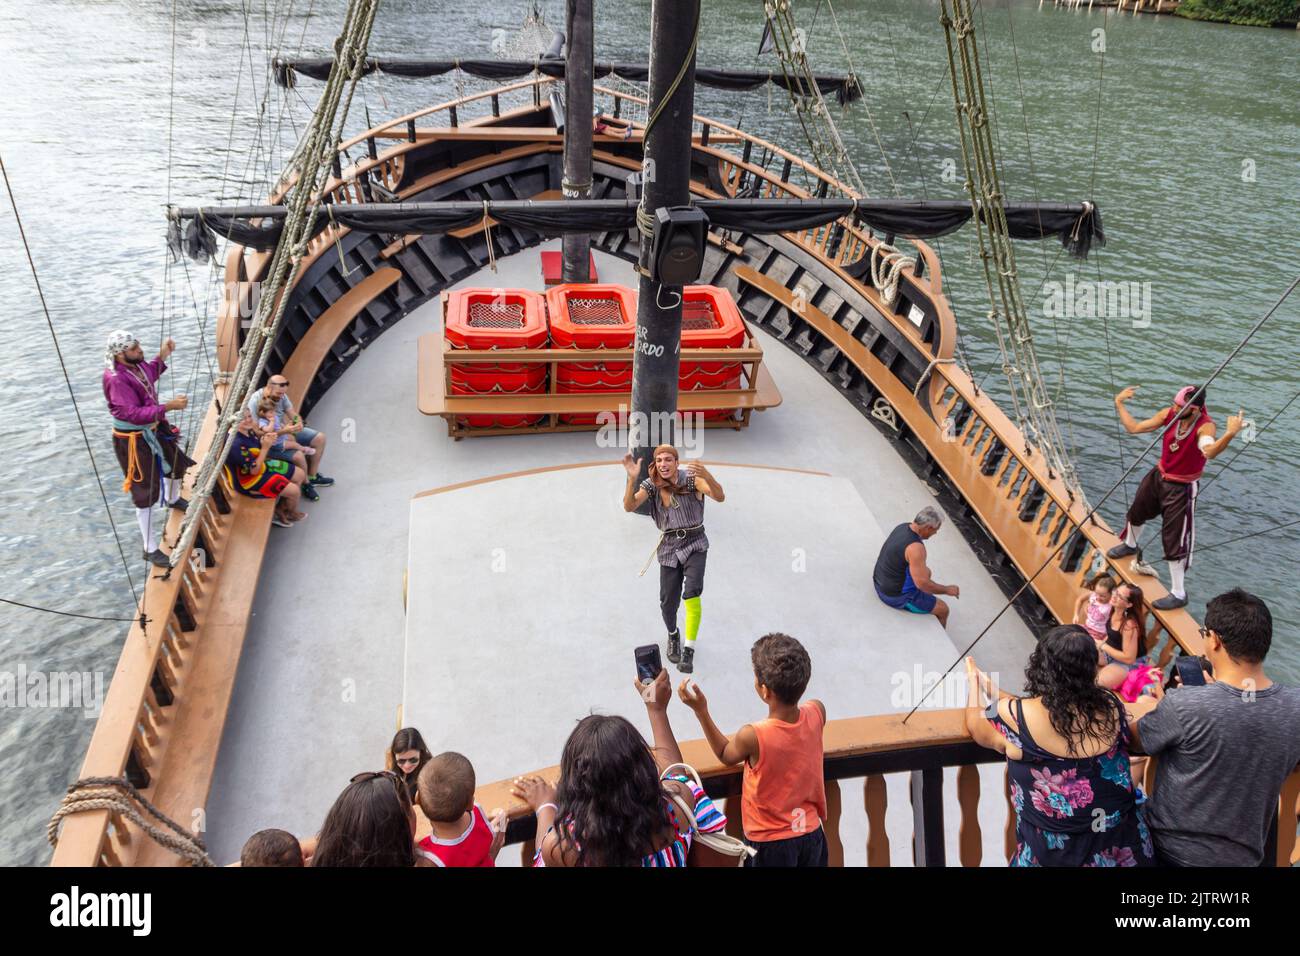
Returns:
<point x="576" y="184"/>
<point x="969" y="838"/>
<point x="667" y="169"/>
<point x="875" y="796"/>
<point x="831" y="825"/>
<point x="927" y="816"/>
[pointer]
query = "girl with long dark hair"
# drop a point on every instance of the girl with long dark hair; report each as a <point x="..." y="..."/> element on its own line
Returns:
<point x="407" y="755"/>
<point x="611" y="807"/>
<point x="371" y="824"/>
<point x="1125" y="648"/>
<point x="1067" y="749"/>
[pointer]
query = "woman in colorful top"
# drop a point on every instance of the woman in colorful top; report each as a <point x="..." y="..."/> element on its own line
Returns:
<point x="1067" y="758"/>
<point x="1125" y="647"/>
<point x="1093" y="606"/>
<point x="611" y="808"/>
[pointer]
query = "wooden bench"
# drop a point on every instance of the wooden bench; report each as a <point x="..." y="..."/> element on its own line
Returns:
<point x="183" y="777"/>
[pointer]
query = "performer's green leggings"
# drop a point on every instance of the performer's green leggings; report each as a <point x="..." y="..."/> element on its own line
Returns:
<point x="684" y="583"/>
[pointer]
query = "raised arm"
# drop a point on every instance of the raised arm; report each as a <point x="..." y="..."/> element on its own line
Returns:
<point x="977" y="725"/>
<point x="1212" y="447"/>
<point x="1131" y="424"/>
<point x="705" y="482"/>
<point x="633" y="496"/>
<point x="730" y="750"/>
<point x="656" y="697"/>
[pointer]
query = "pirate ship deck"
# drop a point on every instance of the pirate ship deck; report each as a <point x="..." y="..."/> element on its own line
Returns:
<point x="268" y="663"/>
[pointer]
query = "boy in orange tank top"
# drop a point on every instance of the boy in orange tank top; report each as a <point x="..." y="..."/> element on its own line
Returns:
<point x="783" y="799"/>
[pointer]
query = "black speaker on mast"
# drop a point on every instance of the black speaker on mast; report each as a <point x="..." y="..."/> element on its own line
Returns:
<point x="677" y="249"/>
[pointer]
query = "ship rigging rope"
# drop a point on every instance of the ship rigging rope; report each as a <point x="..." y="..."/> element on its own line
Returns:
<point x="1061" y="347"/>
<point x="313" y="158"/>
<point x="870" y="119"/>
<point x="1065" y="539"/>
<point x="118" y="795"/>
<point x="67" y="380"/>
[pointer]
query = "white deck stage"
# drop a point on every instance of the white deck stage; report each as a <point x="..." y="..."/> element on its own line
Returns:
<point x="524" y="607"/>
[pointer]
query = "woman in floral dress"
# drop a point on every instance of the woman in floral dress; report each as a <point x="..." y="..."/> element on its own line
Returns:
<point x="1067" y="753"/>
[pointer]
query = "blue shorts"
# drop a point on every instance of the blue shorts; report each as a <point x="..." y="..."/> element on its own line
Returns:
<point x="912" y="599"/>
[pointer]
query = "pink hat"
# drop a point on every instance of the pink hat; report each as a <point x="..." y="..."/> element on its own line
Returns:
<point x="1184" y="395"/>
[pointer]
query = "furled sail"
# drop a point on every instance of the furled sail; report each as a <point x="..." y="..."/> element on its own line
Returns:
<point x="1078" y="226"/>
<point x="844" y="88"/>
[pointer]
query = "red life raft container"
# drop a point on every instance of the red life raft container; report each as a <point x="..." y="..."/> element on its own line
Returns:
<point x="710" y="319"/>
<point x="591" y="315"/>
<point x="495" y="319"/>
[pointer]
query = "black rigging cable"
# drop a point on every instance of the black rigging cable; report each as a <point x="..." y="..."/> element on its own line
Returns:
<point x="84" y="617"/>
<point x="67" y="379"/>
<point x="1066" y="538"/>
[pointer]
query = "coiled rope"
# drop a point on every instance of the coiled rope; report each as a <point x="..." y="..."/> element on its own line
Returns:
<point x="887" y="265"/>
<point x="118" y="795"/>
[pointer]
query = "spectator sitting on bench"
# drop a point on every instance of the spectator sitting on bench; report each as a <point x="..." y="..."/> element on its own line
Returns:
<point x="276" y="390"/>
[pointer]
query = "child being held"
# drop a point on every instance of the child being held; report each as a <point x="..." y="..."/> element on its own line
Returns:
<point x="1093" y="607"/>
<point x="783" y="795"/>
<point x="462" y="835"/>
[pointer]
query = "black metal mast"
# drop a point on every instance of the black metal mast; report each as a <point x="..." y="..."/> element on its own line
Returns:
<point x="667" y="172"/>
<point x="578" y="79"/>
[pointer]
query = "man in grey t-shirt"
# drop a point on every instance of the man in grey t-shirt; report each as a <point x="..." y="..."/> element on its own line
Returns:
<point x="1223" y="750"/>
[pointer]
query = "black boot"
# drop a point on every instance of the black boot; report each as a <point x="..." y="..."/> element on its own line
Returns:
<point x="1121" y="550"/>
<point x="674" y="647"/>
<point x="1170" y="602"/>
<point x="687" y="664"/>
<point x="157" y="558"/>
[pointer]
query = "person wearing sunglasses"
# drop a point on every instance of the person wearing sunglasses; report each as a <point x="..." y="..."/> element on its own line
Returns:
<point x="407" y="756"/>
<point x="291" y="423"/>
<point x="1223" y="747"/>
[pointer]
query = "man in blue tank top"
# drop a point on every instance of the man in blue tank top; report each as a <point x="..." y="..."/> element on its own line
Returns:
<point x="902" y="578"/>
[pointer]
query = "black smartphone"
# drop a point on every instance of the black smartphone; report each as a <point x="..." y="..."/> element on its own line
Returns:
<point x="1189" y="669"/>
<point x="648" y="664"/>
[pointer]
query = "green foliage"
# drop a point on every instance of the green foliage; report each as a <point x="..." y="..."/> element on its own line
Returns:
<point x="1256" y="13"/>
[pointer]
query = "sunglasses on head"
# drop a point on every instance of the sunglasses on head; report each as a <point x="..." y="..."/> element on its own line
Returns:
<point x="278" y="384"/>
<point x="398" y="786"/>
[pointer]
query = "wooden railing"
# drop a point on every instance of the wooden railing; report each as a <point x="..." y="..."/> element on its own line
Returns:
<point x="865" y="751"/>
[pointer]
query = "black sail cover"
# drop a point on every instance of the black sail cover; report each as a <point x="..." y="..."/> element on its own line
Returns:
<point x="845" y="89"/>
<point x="193" y="232"/>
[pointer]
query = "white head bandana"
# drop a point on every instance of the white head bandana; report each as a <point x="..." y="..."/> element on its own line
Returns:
<point x="118" y="342"/>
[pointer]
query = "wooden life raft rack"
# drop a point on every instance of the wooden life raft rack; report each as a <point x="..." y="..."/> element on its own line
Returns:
<point x="554" y="410"/>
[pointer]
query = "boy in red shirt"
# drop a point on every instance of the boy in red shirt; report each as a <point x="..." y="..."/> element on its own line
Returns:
<point x="462" y="834"/>
<point x="783" y="799"/>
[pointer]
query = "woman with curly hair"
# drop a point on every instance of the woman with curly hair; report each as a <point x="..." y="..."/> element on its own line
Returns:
<point x="611" y="807"/>
<point x="1067" y="748"/>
